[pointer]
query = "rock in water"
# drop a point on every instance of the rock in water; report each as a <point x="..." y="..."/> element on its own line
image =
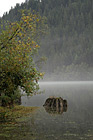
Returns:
<point x="55" y="105"/>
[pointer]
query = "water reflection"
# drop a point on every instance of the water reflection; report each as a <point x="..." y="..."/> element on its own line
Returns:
<point x="75" y="124"/>
<point x="54" y="105"/>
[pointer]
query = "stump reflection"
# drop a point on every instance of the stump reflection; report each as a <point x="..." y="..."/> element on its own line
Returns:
<point x="55" y="105"/>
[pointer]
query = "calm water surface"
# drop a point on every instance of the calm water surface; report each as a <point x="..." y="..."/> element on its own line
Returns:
<point x="74" y="124"/>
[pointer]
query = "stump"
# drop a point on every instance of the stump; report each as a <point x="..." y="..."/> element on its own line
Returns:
<point x="55" y="105"/>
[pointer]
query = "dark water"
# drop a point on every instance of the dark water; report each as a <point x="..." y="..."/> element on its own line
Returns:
<point x="74" y="124"/>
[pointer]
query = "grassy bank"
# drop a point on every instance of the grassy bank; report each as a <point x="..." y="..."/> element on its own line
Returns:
<point x="8" y="115"/>
<point x="13" y="122"/>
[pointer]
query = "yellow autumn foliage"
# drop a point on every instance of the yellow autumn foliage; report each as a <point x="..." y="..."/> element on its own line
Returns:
<point x="18" y="44"/>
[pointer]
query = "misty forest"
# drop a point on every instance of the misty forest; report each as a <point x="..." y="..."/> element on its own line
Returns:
<point x="46" y="71"/>
<point x="67" y="47"/>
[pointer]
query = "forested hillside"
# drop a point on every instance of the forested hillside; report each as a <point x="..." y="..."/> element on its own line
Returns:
<point x="69" y="43"/>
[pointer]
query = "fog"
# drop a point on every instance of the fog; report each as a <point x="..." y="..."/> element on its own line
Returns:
<point x="65" y="83"/>
<point x="67" y="58"/>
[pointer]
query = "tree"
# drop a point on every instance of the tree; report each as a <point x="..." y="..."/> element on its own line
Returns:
<point x="71" y="31"/>
<point x="18" y="45"/>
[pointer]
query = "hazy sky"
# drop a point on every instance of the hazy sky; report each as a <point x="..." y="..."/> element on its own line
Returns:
<point x="5" y="5"/>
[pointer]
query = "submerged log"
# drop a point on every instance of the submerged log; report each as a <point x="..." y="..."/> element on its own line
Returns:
<point x="55" y="105"/>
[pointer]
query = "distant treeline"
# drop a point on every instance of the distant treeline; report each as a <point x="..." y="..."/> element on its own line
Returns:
<point x="69" y="44"/>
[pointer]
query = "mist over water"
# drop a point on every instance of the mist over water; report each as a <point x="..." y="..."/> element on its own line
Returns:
<point x="59" y="88"/>
<point x="65" y="82"/>
<point x="74" y="124"/>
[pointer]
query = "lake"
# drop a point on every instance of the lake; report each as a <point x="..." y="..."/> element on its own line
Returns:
<point x="76" y="123"/>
